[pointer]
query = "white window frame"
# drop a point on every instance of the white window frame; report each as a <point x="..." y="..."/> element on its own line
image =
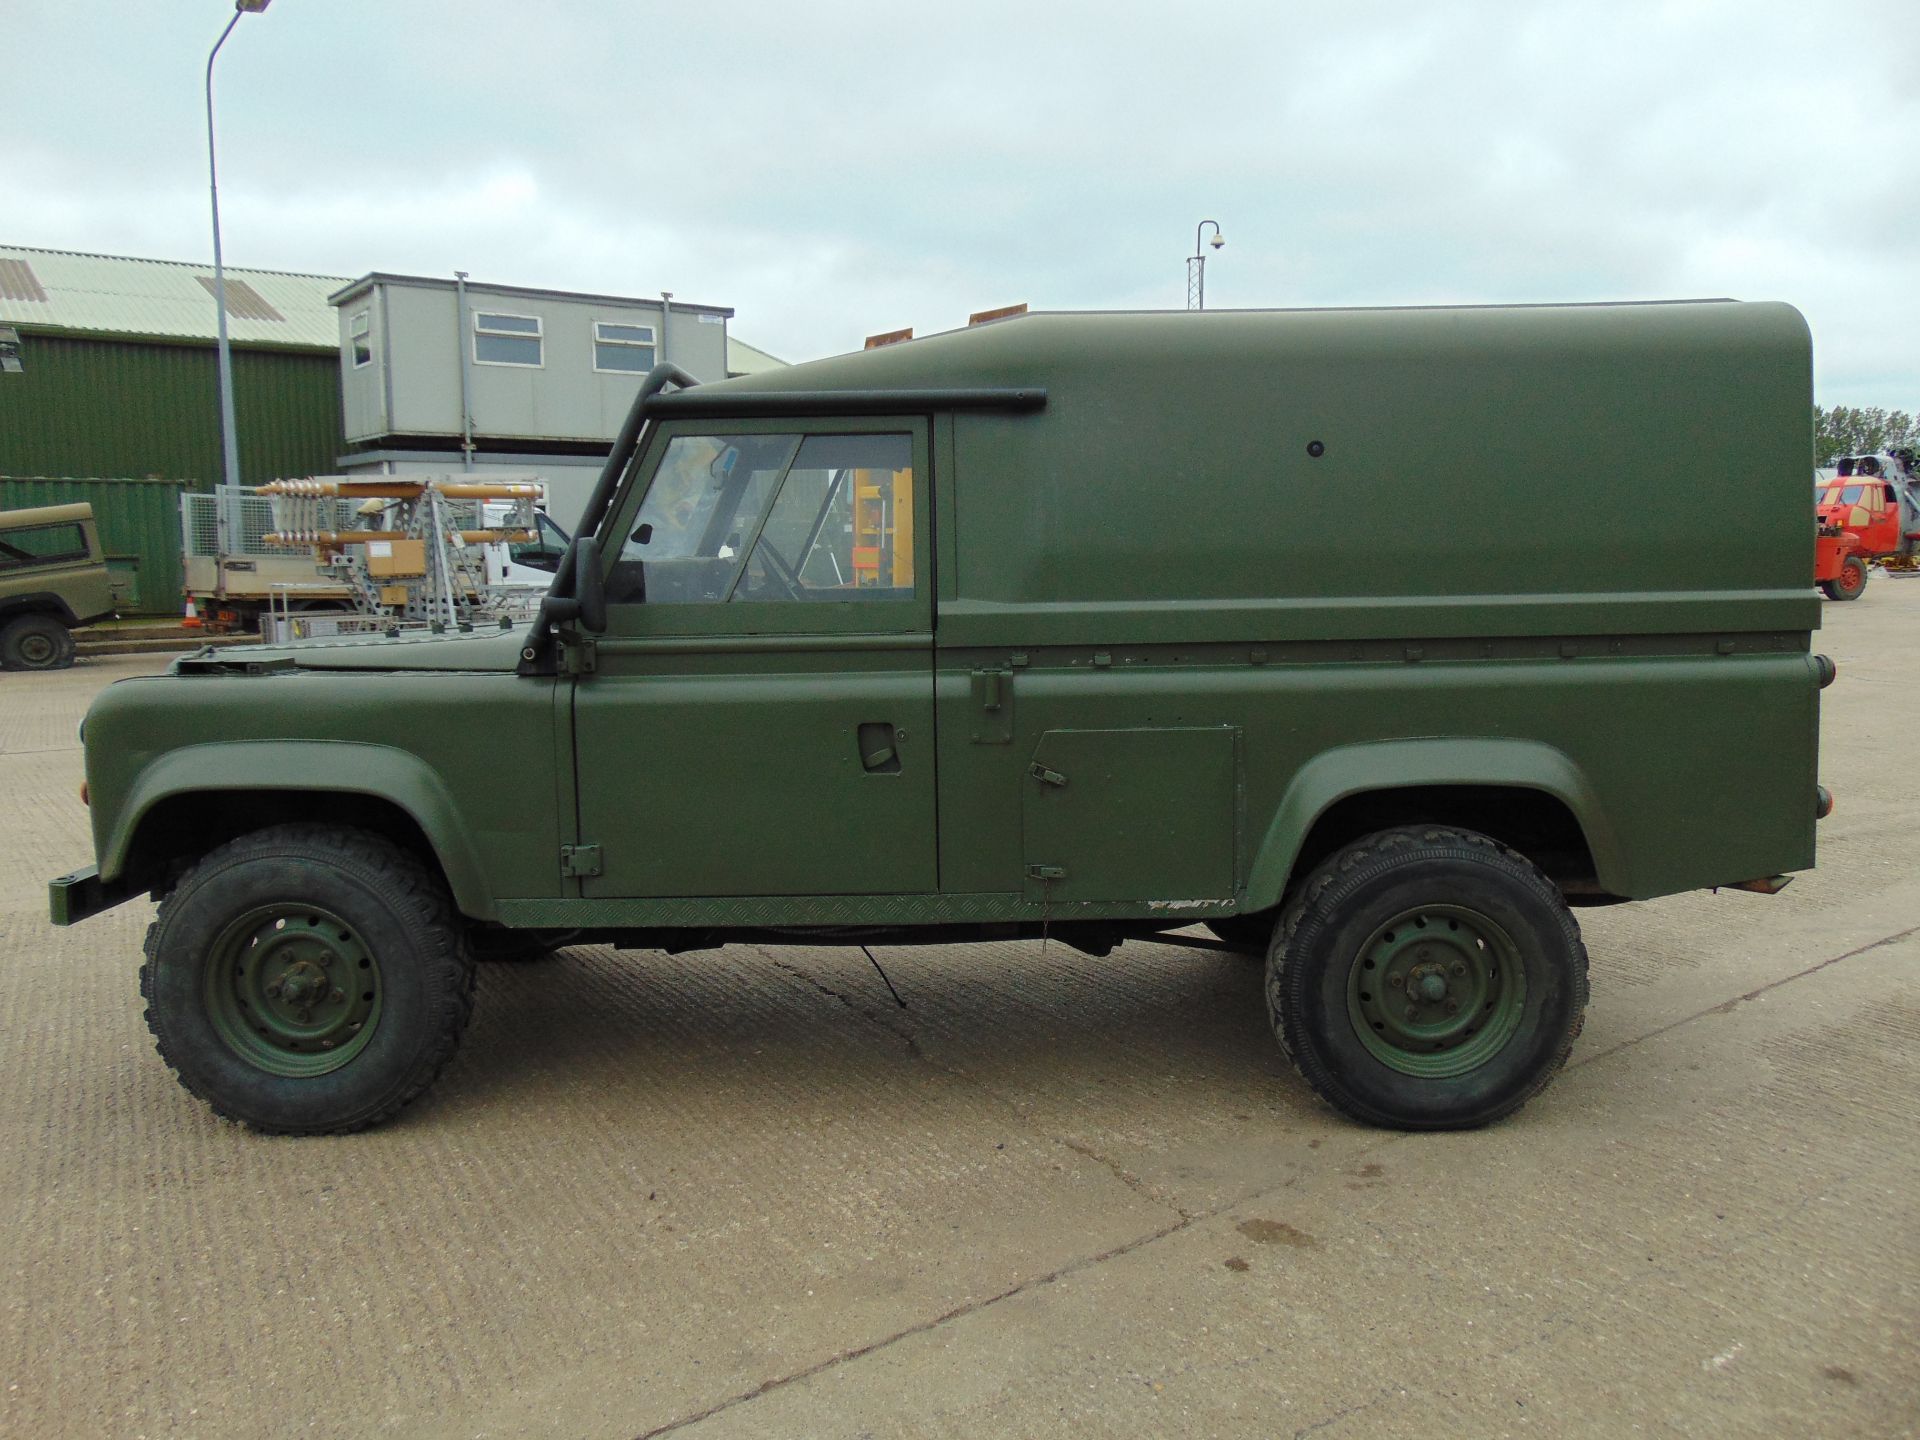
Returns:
<point x="652" y="343"/>
<point x="538" y="334"/>
<point x="360" y="327"/>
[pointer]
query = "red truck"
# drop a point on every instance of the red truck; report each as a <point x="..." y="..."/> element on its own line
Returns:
<point x="1867" y="511"/>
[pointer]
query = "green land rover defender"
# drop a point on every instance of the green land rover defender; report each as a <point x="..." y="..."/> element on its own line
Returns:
<point x="53" y="576"/>
<point x="1362" y="638"/>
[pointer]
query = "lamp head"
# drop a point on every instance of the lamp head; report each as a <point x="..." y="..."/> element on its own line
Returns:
<point x="252" y="7"/>
<point x="1218" y="240"/>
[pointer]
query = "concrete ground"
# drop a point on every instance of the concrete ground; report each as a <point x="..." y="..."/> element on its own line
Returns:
<point x="742" y="1194"/>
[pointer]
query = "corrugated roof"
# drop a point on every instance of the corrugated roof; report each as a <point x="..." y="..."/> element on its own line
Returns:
<point x="119" y="295"/>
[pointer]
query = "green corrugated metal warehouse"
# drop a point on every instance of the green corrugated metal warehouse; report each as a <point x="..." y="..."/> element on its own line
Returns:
<point x="110" y="371"/>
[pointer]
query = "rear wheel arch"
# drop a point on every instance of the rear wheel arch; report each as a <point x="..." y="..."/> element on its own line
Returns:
<point x="1523" y="794"/>
<point x="43" y="602"/>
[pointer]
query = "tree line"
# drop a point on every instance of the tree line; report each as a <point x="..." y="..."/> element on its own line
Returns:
<point x="1861" y="430"/>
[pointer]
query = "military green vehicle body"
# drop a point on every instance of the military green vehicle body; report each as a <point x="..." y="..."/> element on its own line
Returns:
<point x="53" y="577"/>
<point x="1192" y="602"/>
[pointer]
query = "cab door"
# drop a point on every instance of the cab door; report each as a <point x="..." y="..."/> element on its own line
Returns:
<point x="759" y="720"/>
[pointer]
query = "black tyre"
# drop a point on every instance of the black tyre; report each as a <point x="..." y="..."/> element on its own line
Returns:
<point x="1250" y="933"/>
<point x="1427" y="979"/>
<point x="307" y="979"/>
<point x="491" y="944"/>
<point x="35" y="642"/>
<point x="1851" y="583"/>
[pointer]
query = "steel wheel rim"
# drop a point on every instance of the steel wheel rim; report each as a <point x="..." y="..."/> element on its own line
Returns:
<point x="36" y="649"/>
<point x="292" y="990"/>
<point x="1437" y="991"/>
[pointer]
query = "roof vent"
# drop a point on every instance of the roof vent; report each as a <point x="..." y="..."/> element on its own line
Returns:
<point x="1005" y="312"/>
<point x="891" y="337"/>
<point x="243" y="301"/>
<point x="18" y="282"/>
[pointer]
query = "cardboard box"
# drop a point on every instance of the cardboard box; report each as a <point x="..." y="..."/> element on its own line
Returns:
<point x="400" y="557"/>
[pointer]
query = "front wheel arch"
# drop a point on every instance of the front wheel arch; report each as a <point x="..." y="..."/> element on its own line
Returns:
<point x="195" y="797"/>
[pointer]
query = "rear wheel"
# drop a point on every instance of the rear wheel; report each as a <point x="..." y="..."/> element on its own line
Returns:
<point x="35" y="642"/>
<point x="1850" y="583"/>
<point x="1427" y="979"/>
<point x="307" y="979"/>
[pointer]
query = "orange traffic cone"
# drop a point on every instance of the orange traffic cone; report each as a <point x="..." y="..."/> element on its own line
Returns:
<point x="192" y="620"/>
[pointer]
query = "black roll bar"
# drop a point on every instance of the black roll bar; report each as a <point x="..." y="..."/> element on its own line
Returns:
<point x="534" y="658"/>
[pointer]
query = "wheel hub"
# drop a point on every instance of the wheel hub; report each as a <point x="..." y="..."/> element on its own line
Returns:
<point x="36" y="649"/>
<point x="293" y="990"/>
<point x="1436" y="991"/>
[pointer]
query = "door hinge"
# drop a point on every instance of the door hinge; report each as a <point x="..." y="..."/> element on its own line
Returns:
<point x="577" y="655"/>
<point x="992" y="707"/>
<point x="1046" y="872"/>
<point x="1044" y="775"/>
<point x="579" y="861"/>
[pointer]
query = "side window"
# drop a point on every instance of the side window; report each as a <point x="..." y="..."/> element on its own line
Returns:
<point x="842" y="527"/>
<point x="701" y="513"/>
<point x="626" y="349"/>
<point x="360" y="333"/>
<point x="41" y="545"/>
<point x="542" y="553"/>
<point x="506" y="339"/>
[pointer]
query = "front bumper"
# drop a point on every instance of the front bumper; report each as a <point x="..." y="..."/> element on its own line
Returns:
<point x="83" y="894"/>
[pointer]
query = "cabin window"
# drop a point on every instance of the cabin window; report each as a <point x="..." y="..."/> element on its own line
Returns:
<point x="500" y="339"/>
<point x="360" y="337"/>
<point x="842" y="527"/>
<point x="623" y="349"/>
<point x="41" y="545"/>
<point x="701" y="512"/>
<point x="774" y="517"/>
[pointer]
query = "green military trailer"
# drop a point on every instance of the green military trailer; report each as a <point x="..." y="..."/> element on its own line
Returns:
<point x="1363" y="638"/>
<point x="53" y="577"/>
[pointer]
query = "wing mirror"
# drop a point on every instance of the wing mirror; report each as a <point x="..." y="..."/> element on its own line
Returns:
<point x="587" y="606"/>
<point x="590" y="585"/>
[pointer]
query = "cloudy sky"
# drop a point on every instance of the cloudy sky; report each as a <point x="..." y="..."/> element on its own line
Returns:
<point x="832" y="169"/>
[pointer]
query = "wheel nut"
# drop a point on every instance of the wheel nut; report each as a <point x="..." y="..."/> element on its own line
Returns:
<point x="1412" y="1011"/>
<point x="1459" y="968"/>
<point x="1396" y="981"/>
<point x="1453" y="1007"/>
<point x="326" y="959"/>
<point x="274" y="990"/>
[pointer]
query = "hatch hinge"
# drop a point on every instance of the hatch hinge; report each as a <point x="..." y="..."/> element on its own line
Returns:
<point x="579" y="861"/>
<point x="1044" y="775"/>
<point x="1046" y="872"/>
<point x="577" y="655"/>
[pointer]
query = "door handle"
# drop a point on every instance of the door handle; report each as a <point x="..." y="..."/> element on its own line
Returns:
<point x="879" y="745"/>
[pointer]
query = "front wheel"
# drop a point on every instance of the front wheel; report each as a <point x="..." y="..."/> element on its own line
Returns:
<point x="307" y="979"/>
<point x="1427" y="979"/>
<point x="1851" y="582"/>
<point x="35" y="642"/>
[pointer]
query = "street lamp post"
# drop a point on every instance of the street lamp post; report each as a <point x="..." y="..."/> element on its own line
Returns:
<point x="229" y="443"/>
<point x="1197" y="264"/>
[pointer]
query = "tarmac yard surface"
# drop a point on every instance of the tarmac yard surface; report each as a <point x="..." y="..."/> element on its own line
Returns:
<point x="743" y="1194"/>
